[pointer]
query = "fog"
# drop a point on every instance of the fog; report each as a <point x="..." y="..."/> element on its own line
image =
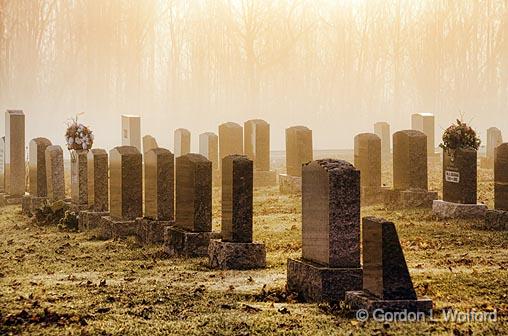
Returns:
<point x="336" y="67"/>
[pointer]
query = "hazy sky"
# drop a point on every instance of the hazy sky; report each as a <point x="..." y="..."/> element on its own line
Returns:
<point x="336" y="67"/>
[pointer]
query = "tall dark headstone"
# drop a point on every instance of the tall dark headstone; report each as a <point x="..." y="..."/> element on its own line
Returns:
<point x="387" y="283"/>
<point x="460" y="176"/>
<point x="37" y="167"/>
<point x="236" y="250"/>
<point x="501" y="177"/>
<point x="55" y="179"/>
<point x="330" y="263"/>
<point x="159" y="184"/>
<point x="14" y="155"/>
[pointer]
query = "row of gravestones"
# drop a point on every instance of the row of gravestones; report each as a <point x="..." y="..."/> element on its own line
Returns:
<point x="329" y="269"/>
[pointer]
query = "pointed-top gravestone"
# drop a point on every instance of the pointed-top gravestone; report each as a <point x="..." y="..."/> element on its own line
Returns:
<point x="37" y="167"/>
<point x="385" y="272"/>
<point x="387" y="283"/>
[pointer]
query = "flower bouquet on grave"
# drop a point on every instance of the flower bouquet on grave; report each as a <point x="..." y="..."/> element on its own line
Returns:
<point x="78" y="136"/>
<point x="460" y="136"/>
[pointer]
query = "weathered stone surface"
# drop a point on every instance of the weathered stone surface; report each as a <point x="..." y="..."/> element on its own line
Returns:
<point x="241" y="256"/>
<point x="151" y="231"/>
<point x="159" y="184"/>
<point x="149" y="143"/>
<point x="496" y="220"/>
<point x="410" y="160"/>
<point x="501" y="177"/>
<point x="408" y="199"/>
<point x="55" y="173"/>
<point x="79" y="177"/>
<point x="182" y="142"/>
<point x="385" y="272"/>
<point x="256" y="141"/>
<point x="317" y="283"/>
<point x="364" y="300"/>
<point x="368" y="159"/>
<point x="30" y="203"/>
<point x="209" y="148"/>
<point x="290" y="184"/>
<point x="125" y="183"/>
<point x="460" y="176"/>
<point x="382" y="130"/>
<point x="98" y="175"/>
<point x="331" y="213"/>
<point x="2" y="164"/>
<point x="494" y="139"/>
<point x="298" y="149"/>
<point x="37" y="167"/>
<point x="425" y="122"/>
<point x="182" y="243"/>
<point x="89" y="220"/>
<point x="14" y="156"/>
<point x="265" y="178"/>
<point x="445" y="210"/>
<point x="131" y="131"/>
<point x="237" y="184"/>
<point x="112" y="228"/>
<point x="194" y="193"/>
<point x="230" y="140"/>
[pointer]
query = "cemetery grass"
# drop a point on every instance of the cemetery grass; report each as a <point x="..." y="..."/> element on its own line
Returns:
<point x="56" y="282"/>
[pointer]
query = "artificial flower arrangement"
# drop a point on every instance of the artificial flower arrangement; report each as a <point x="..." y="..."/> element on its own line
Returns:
<point x="460" y="136"/>
<point x="78" y="136"/>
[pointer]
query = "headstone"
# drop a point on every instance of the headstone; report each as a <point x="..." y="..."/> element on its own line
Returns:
<point x="14" y="169"/>
<point x="236" y="250"/>
<point x="131" y="131"/>
<point x="410" y="160"/>
<point x="382" y="130"/>
<point x="330" y="232"/>
<point x="331" y="213"/>
<point x="55" y="173"/>
<point x="194" y="193"/>
<point x="2" y="164"/>
<point x="209" y="148"/>
<point x="494" y="139"/>
<point x="385" y="272"/>
<point x="424" y="122"/>
<point x="368" y="159"/>
<point x="149" y="143"/>
<point x="182" y="142"/>
<point x="159" y="184"/>
<point x="387" y="284"/>
<point x="37" y="167"/>
<point x="501" y="177"/>
<point x="237" y="183"/>
<point x="125" y="183"/>
<point x="230" y="140"/>
<point x="257" y="143"/>
<point x="191" y="233"/>
<point x="298" y="149"/>
<point x="79" y="177"/>
<point x="97" y="170"/>
<point x="460" y="176"/>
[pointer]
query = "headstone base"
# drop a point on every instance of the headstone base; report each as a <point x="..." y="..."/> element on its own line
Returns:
<point x="151" y="231"/>
<point x="372" y="195"/>
<point x="496" y="220"/>
<point x="30" y="203"/>
<point x="448" y="210"/>
<point x="317" y="283"/>
<point x="364" y="300"/>
<point x="89" y="220"/>
<point x="407" y="199"/>
<point x="290" y="184"/>
<point x="181" y="243"/>
<point x="265" y="178"/>
<point x="6" y="199"/>
<point x="238" y="256"/>
<point x="110" y="228"/>
<point x="486" y="163"/>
